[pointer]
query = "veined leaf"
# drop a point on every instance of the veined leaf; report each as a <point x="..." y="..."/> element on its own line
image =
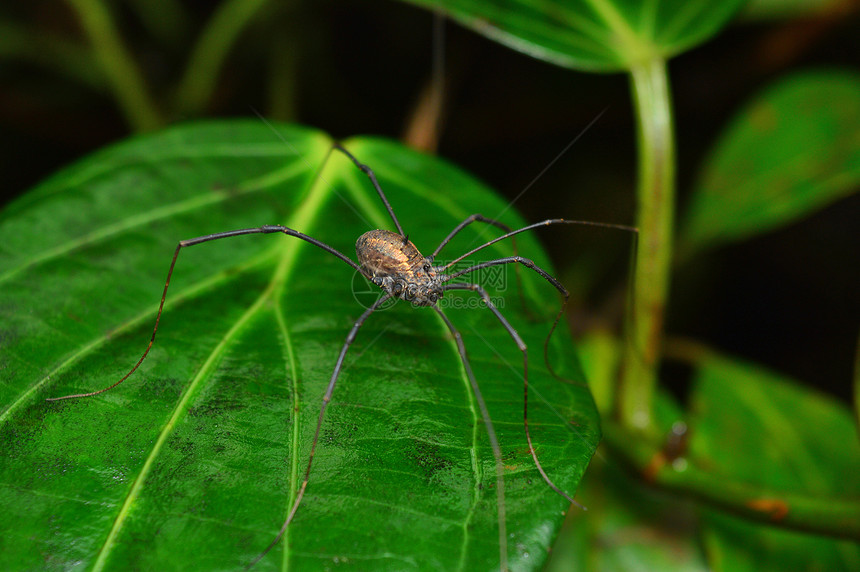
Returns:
<point x="793" y="150"/>
<point x="593" y="35"/>
<point x="194" y="462"/>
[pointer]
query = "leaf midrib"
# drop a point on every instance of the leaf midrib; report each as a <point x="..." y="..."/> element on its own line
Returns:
<point x="305" y="217"/>
<point x="377" y="216"/>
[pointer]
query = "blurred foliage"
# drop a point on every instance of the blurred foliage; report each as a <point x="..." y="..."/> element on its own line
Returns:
<point x="767" y="110"/>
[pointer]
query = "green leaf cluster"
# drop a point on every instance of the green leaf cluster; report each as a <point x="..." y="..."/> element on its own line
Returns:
<point x="194" y="462"/>
<point x="751" y="446"/>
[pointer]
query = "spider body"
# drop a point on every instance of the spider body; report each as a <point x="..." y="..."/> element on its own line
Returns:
<point x="393" y="263"/>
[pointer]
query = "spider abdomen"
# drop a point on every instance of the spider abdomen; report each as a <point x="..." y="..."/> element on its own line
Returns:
<point x="393" y="263"/>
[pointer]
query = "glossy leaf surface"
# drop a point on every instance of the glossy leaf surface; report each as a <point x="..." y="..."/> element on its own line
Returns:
<point x="595" y="35"/>
<point x="792" y="151"/>
<point x="193" y="462"/>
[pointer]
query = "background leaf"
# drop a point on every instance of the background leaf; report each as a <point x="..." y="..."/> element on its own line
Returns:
<point x="733" y="544"/>
<point x="792" y="151"/>
<point x="629" y="525"/>
<point x="758" y="428"/>
<point x="766" y="9"/>
<point x="597" y="35"/>
<point x="192" y="462"/>
<point x="749" y="429"/>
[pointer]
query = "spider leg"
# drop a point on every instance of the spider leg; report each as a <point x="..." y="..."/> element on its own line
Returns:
<point x="544" y="274"/>
<point x="522" y="347"/>
<point x="268" y="229"/>
<point x="481" y="218"/>
<point x="547" y="222"/>
<point x="469" y="220"/>
<point x="491" y="434"/>
<point x="370" y="175"/>
<point x="326" y="399"/>
<point x="528" y="263"/>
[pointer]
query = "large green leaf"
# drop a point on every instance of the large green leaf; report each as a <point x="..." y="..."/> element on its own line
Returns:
<point x="793" y="150"/>
<point x="758" y="428"/>
<point x="597" y="35"/>
<point x="194" y="461"/>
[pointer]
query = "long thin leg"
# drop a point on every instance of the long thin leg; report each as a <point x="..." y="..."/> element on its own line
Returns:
<point x="545" y="275"/>
<point x="481" y="218"/>
<point x="268" y="229"/>
<point x="522" y="347"/>
<point x="547" y="222"/>
<point x="469" y="220"/>
<point x="529" y="264"/>
<point x="326" y="398"/>
<point x="491" y="434"/>
<point x="509" y="260"/>
<point x="369" y="172"/>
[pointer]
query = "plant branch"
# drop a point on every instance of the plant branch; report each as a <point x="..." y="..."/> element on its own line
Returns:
<point x="837" y="518"/>
<point x="207" y="58"/>
<point x="165" y="20"/>
<point x="126" y="80"/>
<point x="656" y="198"/>
<point x="283" y="69"/>
<point x="69" y="59"/>
<point x="857" y="387"/>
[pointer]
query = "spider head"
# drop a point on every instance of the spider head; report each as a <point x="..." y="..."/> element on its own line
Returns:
<point x="423" y="287"/>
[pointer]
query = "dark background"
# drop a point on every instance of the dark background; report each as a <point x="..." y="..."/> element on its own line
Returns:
<point x="787" y="300"/>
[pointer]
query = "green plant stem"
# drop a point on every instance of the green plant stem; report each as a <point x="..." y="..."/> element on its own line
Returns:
<point x="63" y="57"/>
<point x="283" y="67"/>
<point x="165" y="20"/>
<point x="837" y="518"/>
<point x="655" y="221"/>
<point x="221" y="32"/>
<point x="857" y="387"/>
<point x="125" y="78"/>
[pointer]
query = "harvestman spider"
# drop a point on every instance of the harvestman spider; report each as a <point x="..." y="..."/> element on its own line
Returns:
<point x="392" y="262"/>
